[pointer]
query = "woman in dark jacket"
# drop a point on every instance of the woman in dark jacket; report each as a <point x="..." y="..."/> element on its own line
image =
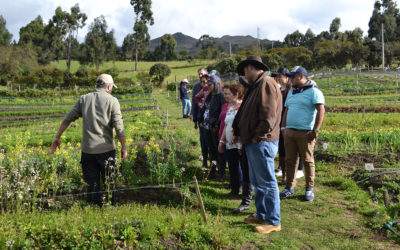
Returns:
<point x="213" y="105"/>
<point x="185" y="98"/>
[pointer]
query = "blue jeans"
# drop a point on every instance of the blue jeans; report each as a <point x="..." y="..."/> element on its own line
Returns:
<point x="261" y="165"/>
<point x="186" y="104"/>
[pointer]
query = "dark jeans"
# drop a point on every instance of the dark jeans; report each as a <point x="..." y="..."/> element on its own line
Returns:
<point x="95" y="168"/>
<point x="235" y="172"/>
<point x="203" y="143"/>
<point x="244" y="165"/>
<point x="212" y="142"/>
<point x="247" y="193"/>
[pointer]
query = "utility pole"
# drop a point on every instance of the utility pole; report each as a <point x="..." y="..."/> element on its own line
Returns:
<point x="258" y="38"/>
<point x="230" y="49"/>
<point x="383" y="49"/>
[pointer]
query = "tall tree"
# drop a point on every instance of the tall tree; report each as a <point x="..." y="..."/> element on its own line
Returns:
<point x="128" y="47"/>
<point x="334" y="28"/>
<point x="55" y="32"/>
<point x="5" y="36"/>
<point x="385" y="12"/>
<point x="75" y="21"/>
<point x="354" y="35"/>
<point x="144" y="16"/>
<point x="34" y="33"/>
<point x="99" y="44"/>
<point x="206" y="42"/>
<point x="168" y="47"/>
<point x="295" y="39"/>
<point x="309" y="38"/>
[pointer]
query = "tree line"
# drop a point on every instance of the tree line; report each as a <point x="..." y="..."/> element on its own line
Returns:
<point x="41" y="43"/>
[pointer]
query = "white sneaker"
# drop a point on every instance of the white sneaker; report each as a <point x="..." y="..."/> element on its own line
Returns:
<point x="278" y="173"/>
<point x="299" y="174"/>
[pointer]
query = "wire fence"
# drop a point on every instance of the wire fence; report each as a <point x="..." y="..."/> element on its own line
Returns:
<point x="55" y="197"/>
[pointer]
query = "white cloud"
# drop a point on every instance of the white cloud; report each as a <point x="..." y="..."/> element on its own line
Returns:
<point x="197" y="17"/>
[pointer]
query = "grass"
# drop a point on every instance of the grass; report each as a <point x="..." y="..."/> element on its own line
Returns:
<point x="343" y="216"/>
<point x="332" y="221"/>
<point x="179" y="69"/>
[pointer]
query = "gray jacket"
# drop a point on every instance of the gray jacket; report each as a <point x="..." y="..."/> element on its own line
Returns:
<point x="101" y="113"/>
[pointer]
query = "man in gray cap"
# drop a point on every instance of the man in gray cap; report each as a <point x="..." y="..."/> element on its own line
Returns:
<point x="257" y="126"/>
<point x="101" y="113"/>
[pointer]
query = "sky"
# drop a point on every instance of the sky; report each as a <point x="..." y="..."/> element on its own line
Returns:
<point x="275" y="19"/>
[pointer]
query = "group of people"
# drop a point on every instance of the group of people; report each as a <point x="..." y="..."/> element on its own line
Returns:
<point x="241" y="124"/>
<point x="244" y="125"/>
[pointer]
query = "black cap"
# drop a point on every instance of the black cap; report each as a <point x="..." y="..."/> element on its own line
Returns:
<point x="281" y="71"/>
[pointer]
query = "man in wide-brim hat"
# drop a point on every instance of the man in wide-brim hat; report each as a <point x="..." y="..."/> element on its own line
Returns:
<point x="257" y="126"/>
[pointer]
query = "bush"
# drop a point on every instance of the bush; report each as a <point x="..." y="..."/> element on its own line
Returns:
<point x="159" y="72"/>
<point x="125" y="81"/>
<point x="144" y="78"/>
<point x="82" y="75"/>
<point x="226" y="65"/>
<point x="171" y="86"/>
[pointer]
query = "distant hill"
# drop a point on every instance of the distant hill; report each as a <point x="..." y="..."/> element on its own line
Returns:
<point x="188" y="43"/>
<point x="183" y="42"/>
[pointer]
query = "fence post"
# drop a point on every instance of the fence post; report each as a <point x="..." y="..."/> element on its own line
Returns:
<point x="167" y="119"/>
<point x="363" y="112"/>
<point x="329" y="81"/>
<point x="386" y="197"/>
<point x="203" y="210"/>
<point x="357" y="78"/>
<point x="176" y="91"/>
<point x="371" y="191"/>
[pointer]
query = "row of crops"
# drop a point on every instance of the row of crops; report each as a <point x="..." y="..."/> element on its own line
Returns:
<point x="31" y="175"/>
<point x="360" y="133"/>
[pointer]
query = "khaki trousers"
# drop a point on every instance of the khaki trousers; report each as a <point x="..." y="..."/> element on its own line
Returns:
<point x="296" y="141"/>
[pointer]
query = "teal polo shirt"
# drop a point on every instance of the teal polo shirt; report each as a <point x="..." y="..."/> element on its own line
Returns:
<point x="302" y="111"/>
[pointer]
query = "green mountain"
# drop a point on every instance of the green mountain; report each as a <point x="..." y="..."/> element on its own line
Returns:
<point x="188" y="43"/>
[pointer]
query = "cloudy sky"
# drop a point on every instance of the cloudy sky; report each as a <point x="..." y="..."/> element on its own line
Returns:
<point x="197" y="17"/>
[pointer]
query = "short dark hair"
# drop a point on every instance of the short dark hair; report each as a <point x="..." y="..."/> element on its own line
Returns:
<point x="202" y="69"/>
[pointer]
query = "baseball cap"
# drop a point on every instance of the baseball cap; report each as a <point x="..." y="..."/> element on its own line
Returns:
<point x="281" y="71"/>
<point x="213" y="79"/>
<point x="214" y="72"/>
<point x="185" y="81"/>
<point x="297" y="70"/>
<point x="105" y="79"/>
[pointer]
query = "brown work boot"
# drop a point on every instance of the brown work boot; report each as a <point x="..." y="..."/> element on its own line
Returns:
<point x="266" y="229"/>
<point x="253" y="220"/>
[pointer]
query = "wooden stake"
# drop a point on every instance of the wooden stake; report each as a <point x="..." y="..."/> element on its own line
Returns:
<point x="203" y="211"/>
<point x="176" y="90"/>
<point x="386" y="197"/>
<point x="371" y="190"/>
<point x="167" y="119"/>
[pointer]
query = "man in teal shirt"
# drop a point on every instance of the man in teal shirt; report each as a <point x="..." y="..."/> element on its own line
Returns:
<point x="301" y="122"/>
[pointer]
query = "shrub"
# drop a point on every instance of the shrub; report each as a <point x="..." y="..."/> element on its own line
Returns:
<point x="82" y="75"/>
<point x="171" y="86"/>
<point x="159" y="72"/>
<point x="144" y="78"/>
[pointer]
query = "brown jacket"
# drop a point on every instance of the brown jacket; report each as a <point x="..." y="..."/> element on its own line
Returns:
<point x="260" y="113"/>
